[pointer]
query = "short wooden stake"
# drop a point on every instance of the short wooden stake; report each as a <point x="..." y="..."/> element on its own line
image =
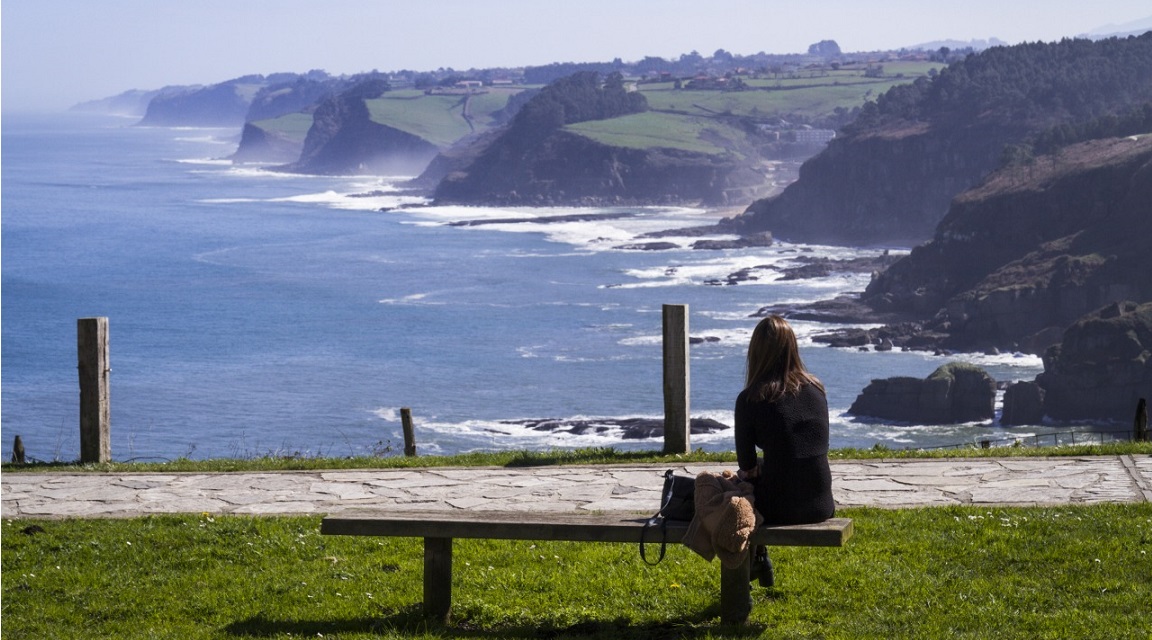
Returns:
<point x="1140" y="424"/>
<point x="409" y="432"/>
<point x="95" y="409"/>
<point x="676" y="379"/>
<point x="18" y="451"/>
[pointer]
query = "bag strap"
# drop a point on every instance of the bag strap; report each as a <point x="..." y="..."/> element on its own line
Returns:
<point x="667" y="497"/>
<point x="663" y="538"/>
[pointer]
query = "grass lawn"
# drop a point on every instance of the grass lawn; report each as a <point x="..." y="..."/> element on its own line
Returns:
<point x="293" y="125"/>
<point x="1062" y="572"/>
<point x="665" y="130"/>
<point x="437" y="118"/>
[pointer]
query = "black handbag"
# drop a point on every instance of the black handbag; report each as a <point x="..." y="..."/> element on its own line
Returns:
<point x="677" y="502"/>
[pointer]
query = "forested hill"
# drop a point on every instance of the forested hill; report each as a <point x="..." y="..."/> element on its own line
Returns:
<point x="889" y="179"/>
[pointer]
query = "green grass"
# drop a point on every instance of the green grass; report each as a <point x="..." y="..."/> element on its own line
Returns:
<point x="594" y="456"/>
<point x="1064" y="572"/>
<point x="438" y="119"/>
<point x="293" y="125"/>
<point x="665" y="130"/>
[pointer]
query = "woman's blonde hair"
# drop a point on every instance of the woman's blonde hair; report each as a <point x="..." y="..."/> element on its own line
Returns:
<point x="774" y="365"/>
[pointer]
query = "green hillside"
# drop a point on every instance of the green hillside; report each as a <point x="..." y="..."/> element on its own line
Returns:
<point x="293" y="126"/>
<point x="440" y="117"/>
<point x="653" y="129"/>
<point x="701" y="120"/>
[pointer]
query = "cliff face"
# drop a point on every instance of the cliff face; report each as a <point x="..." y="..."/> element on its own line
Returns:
<point x="567" y="168"/>
<point x="890" y="177"/>
<point x="1033" y="249"/>
<point x="344" y="140"/>
<point x="258" y="144"/>
<point x="888" y="186"/>
<point x="301" y="94"/>
<point x="218" y="105"/>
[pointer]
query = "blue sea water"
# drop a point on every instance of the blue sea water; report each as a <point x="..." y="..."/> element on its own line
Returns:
<point x="254" y="313"/>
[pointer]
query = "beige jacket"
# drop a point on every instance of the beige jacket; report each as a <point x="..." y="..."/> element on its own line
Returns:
<point x="725" y="518"/>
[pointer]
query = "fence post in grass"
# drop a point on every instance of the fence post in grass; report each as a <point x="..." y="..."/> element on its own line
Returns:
<point x="95" y="410"/>
<point x="1140" y="424"/>
<point x="676" y="379"/>
<point x="409" y="432"/>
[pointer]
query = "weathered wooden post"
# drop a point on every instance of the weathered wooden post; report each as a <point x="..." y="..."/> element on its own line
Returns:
<point x="18" y="451"/>
<point x="1140" y="424"/>
<point x="95" y="410"/>
<point x="409" y="432"/>
<point x="676" y="379"/>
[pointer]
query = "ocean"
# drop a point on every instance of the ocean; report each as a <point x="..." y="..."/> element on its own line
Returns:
<point x="258" y="313"/>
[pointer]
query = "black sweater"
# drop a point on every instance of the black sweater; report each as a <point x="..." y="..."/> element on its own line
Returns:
<point x="795" y="484"/>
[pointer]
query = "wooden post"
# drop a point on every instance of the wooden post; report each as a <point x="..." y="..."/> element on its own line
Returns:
<point x="95" y="410"/>
<point x="409" y="432"/>
<point x="437" y="579"/>
<point x="676" y="379"/>
<point x="18" y="451"/>
<point x="1140" y="424"/>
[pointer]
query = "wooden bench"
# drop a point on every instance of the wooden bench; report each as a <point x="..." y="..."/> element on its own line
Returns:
<point x="438" y="528"/>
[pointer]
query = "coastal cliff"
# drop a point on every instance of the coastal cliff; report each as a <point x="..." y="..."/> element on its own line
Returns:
<point x="343" y="139"/>
<point x="218" y="105"/>
<point x="1033" y="249"/>
<point x="887" y="186"/>
<point x="890" y="177"/>
<point x="539" y="160"/>
<point x="569" y="169"/>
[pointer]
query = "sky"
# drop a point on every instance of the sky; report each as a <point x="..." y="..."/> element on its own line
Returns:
<point x="56" y="53"/>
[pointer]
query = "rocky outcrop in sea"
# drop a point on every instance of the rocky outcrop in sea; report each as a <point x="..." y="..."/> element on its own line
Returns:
<point x="954" y="393"/>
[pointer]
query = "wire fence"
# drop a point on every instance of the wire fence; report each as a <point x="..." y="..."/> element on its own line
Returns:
<point x="1054" y="439"/>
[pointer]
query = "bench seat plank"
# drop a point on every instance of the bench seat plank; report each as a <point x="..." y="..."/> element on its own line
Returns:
<point x="573" y="527"/>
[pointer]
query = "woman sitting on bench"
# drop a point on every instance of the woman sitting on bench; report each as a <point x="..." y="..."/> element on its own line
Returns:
<point x="784" y="412"/>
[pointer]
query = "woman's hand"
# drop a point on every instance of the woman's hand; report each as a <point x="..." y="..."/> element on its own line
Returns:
<point x="749" y="475"/>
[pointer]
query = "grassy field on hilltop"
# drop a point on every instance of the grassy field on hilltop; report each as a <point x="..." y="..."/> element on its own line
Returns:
<point x="960" y="572"/>
<point x="698" y="119"/>
<point x="665" y="130"/>
<point x="811" y="93"/>
<point x="293" y="125"/>
<point x="438" y="118"/>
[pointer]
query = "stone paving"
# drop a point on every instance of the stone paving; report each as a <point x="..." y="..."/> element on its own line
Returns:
<point x="635" y="488"/>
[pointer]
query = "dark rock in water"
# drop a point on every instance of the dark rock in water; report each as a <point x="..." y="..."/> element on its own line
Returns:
<point x="954" y="393"/>
<point x="633" y="428"/>
<point x="755" y="240"/>
<point x="845" y="309"/>
<point x="1023" y="404"/>
<point x="695" y="340"/>
<point x="816" y="267"/>
<point x="1102" y="367"/>
<point x="573" y="217"/>
<point x="648" y="246"/>
<point x="744" y="275"/>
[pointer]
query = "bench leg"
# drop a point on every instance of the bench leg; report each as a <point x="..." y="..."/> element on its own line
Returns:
<point x="437" y="579"/>
<point x="735" y="593"/>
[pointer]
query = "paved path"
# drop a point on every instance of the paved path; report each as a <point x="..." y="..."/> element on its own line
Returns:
<point x="632" y="488"/>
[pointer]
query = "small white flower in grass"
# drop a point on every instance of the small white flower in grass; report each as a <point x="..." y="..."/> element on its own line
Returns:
<point x="128" y="542"/>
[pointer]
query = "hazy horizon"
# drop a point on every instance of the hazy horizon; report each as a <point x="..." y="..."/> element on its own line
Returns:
<point x="57" y="53"/>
